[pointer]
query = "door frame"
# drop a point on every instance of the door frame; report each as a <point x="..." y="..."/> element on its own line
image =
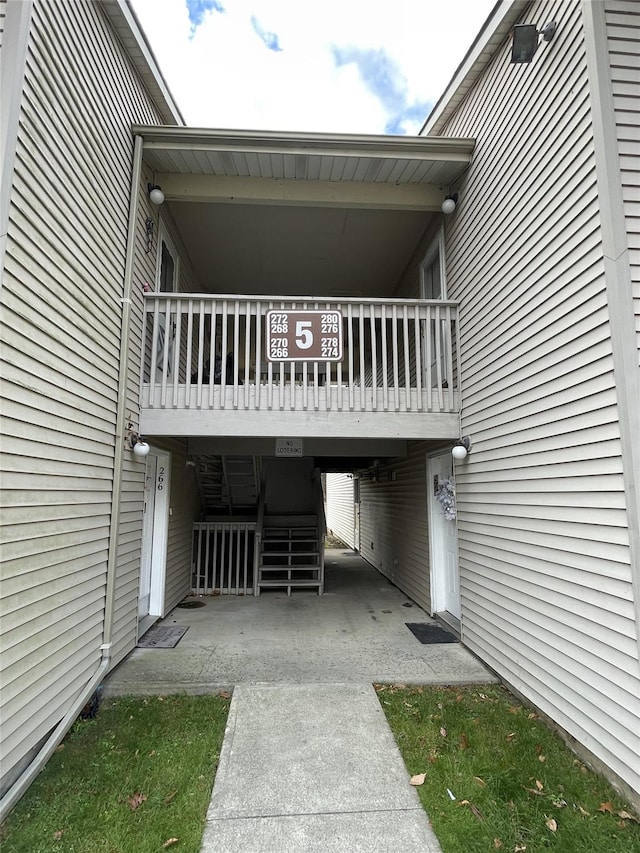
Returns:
<point x="437" y="577"/>
<point x="157" y="540"/>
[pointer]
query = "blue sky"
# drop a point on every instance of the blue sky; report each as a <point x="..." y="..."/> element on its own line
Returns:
<point x="342" y="66"/>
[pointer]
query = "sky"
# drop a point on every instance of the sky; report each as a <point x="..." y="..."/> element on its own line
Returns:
<point x="336" y="66"/>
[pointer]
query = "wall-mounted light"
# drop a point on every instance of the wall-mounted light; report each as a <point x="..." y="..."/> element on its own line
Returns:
<point x="525" y="40"/>
<point x="449" y="203"/>
<point x="155" y="193"/>
<point x="461" y="448"/>
<point x="139" y="446"/>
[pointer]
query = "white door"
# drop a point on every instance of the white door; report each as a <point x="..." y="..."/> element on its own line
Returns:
<point x="155" y="527"/>
<point x="443" y="541"/>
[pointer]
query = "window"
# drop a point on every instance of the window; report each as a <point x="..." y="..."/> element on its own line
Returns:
<point x="432" y="279"/>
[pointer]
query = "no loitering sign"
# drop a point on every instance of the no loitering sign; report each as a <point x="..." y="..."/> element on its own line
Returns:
<point x="304" y="335"/>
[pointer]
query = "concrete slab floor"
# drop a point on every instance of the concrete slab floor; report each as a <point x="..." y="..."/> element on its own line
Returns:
<point x="354" y="633"/>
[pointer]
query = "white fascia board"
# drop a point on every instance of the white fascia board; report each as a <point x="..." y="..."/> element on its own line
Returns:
<point x="132" y="35"/>
<point x="495" y="30"/>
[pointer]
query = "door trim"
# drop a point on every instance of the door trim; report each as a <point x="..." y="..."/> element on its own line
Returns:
<point x="437" y="578"/>
<point x="159" y="540"/>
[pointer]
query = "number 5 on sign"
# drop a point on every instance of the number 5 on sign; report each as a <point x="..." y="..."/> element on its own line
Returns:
<point x="304" y="335"/>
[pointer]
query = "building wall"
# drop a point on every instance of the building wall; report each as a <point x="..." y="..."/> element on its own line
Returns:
<point x="394" y="534"/>
<point x="340" y="507"/>
<point x="623" y="34"/>
<point x="546" y="578"/>
<point x="185" y="505"/>
<point x="61" y="310"/>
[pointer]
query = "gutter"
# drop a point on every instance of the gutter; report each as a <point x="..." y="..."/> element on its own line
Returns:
<point x="19" y="788"/>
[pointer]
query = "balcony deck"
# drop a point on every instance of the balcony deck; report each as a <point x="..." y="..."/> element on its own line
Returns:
<point x="398" y="377"/>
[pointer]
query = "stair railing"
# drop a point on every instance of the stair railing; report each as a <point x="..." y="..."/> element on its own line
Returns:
<point x="257" y="550"/>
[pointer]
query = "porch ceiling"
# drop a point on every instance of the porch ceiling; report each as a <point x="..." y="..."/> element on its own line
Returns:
<point x="301" y="214"/>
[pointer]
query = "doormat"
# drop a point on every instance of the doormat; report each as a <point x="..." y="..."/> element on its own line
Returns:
<point x="430" y="633"/>
<point x="189" y="605"/>
<point x="162" y="637"/>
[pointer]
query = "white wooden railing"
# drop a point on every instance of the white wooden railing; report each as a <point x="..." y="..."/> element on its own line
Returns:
<point x="223" y="557"/>
<point x="206" y="351"/>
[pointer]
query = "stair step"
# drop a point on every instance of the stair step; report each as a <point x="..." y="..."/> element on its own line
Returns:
<point x="291" y="583"/>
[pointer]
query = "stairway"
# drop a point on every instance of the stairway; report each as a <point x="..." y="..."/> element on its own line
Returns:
<point x="291" y="554"/>
<point x="227" y="484"/>
<point x="241" y="478"/>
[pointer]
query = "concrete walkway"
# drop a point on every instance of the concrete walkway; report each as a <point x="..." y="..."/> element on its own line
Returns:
<point x="312" y="768"/>
<point x="308" y="761"/>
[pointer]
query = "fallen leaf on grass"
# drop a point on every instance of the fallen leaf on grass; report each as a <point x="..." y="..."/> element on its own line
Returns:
<point x="169" y="842"/>
<point x="605" y="807"/>
<point x="418" y="779"/>
<point x="510" y="737"/>
<point x="443" y="731"/>
<point x="480" y="781"/>
<point x="533" y="791"/>
<point x="497" y="843"/>
<point x="136" y="800"/>
<point x="626" y="816"/>
<point x="169" y="797"/>
<point x="464" y="741"/>
<point x="224" y="694"/>
<point x="552" y="824"/>
<point x="475" y="811"/>
<point x="542" y="758"/>
<point x="519" y="848"/>
<point x="58" y="835"/>
<point x="584" y="812"/>
<point x="539" y="785"/>
<point x="559" y="803"/>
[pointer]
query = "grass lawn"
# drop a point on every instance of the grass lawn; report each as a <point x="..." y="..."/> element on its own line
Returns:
<point x="136" y="779"/>
<point x="496" y="777"/>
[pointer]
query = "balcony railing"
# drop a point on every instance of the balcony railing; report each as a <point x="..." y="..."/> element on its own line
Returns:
<point x="206" y="352"/>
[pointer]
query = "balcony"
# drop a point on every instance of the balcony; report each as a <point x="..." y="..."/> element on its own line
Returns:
<point x="205" y="372"/>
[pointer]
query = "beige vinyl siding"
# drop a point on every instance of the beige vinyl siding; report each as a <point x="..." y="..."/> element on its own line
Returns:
<point x="341" y="507"/>
<point x="546" y="587"/>
<point x="61" y="312"/>
<point x="394" y="534"/>
<point x="623" y="34"/>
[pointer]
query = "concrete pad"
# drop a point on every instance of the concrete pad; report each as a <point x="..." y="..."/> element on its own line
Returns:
<point x="308" y="767"/>
<point x="355" y="632"/>
<point x="366" y="832"/>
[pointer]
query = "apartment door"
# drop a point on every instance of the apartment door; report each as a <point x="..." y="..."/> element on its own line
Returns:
<point x="443" y="541"/>
<point x="155" y="527"/>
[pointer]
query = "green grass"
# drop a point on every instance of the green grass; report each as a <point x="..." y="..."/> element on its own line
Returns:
<point x="517" y="787"/>
<point x="128" y="781"/>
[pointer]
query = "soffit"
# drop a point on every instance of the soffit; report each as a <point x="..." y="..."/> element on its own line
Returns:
<point x="318" y="157"/>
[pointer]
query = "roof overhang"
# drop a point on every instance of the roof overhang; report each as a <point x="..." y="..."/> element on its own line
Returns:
<point x="125" y="23"/>
<point x="260" y="167"/>
<point x="496" y="30"/>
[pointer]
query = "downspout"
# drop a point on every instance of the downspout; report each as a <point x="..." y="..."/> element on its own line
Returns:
<point x="53" y="741"/>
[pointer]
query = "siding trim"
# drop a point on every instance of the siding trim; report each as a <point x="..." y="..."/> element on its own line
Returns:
<point x="617" y="273"/>
<point x="13" y="62"/>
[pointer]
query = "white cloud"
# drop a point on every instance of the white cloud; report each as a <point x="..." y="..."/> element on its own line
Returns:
<point x="223" y="74"/>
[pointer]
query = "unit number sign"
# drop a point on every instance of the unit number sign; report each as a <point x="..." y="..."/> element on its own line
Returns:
<point x="304" y="336"/>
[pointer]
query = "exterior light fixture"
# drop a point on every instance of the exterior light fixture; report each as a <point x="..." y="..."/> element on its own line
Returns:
<point x="155" y="193"/>
<point x="461" y="448"/>
<point x="449" y="203"/>
<point x="139" y="446"/>
<point x="525" y="40"/>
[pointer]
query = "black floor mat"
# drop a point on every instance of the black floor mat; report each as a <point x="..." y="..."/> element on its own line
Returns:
<point x="162" y="637"/>
<point x="427" y="633"/>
